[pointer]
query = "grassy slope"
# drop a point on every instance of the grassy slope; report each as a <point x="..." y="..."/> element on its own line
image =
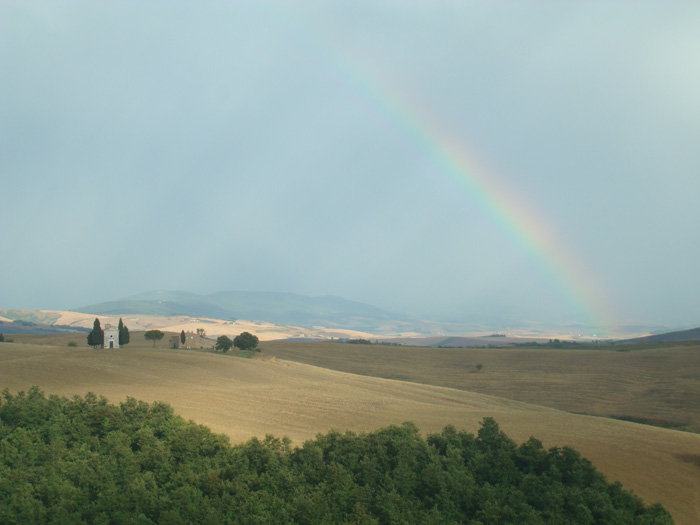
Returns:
<point x="681" y="335"/>
<point x="244" y="397"/>
<point x="657" y="383"/>
<point x="34" y="316"/>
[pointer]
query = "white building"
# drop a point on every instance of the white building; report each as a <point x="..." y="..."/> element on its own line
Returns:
<point x="111" y="336"/>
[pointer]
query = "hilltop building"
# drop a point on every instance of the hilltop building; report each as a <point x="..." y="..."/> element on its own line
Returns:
<point x="193" y="340"/>
<point x="111" y="336"/>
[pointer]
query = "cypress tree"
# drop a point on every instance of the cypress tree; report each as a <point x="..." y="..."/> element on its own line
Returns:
<point x="96" y="337"/>
<point x="123" y="333"/>
<point x="182" y="337"/>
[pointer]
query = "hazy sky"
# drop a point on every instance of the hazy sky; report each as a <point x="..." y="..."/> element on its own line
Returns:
<point x="496" y="162"/>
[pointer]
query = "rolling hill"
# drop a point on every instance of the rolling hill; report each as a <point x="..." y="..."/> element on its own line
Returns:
<point x="272" y="307"/>
<point x="29" y="327"/>
<point x="254" y="397"/>
<point x="657" y="384"/>
<point x="681" y="335"/>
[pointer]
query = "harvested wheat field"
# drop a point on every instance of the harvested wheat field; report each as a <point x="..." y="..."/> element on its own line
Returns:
<point x="659" y="384"/>
<point x="174" y="323"/>
<point x="254" y="397"/>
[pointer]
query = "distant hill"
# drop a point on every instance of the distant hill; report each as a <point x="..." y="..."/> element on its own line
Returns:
<point x="28" y="327"/>
<point x="465" y="341"/>
<point x="272" y="307"/>
<point x="682" y="335"/>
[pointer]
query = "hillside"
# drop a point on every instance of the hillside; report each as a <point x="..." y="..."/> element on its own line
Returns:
<point x="474" y="341"/>
<point x="253" y="397"/>
<point x="29" y="327"/>
<point x="659" y="385"/>
<point x="681" y="335"/>
<point x="280" y="308"/>
<point x="82" y="322"/>
<point x="170" y="471"/>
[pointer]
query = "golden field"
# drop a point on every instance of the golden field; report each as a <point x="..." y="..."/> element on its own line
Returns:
<point x="253" y="397"/>
<point x="175" y="323"/>
<point x="657" y="383"/>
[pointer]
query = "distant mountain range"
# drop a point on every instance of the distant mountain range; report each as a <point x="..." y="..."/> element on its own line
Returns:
<point x="272" y="307"/>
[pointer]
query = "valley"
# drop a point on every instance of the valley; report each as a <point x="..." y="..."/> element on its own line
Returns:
<point x="273" y="394"/>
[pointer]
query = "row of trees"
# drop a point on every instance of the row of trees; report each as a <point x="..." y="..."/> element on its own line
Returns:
<point x="86" y="461"/>
<point x="96" y="337"/>
<point x="244" y="341"/>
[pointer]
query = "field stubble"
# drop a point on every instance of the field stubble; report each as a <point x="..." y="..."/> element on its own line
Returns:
<point x="660" y="384"/>
<point x="254" y="397"/>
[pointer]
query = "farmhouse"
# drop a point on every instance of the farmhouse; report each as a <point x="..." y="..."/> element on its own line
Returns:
<point x="111" y="336"/>
<point x="193" y="340"/>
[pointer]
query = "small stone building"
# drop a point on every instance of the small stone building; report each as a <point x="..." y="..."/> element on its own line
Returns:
<point x="111" y="336"/>
<point x="197" y="340"/>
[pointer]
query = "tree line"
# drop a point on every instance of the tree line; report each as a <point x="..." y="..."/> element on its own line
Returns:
<point x="83" y="460"/>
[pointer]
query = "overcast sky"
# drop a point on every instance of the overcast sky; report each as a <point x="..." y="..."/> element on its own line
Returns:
<point x="299" y="147"/>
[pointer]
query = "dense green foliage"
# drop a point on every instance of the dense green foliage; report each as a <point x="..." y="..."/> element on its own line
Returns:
<point x="154" y="335"/>
<point x="183" y="337"/>
<point x="96" y="337"/>
<point x="246" y="341"/>
<point x="124" y="336"/>
<point x="85" y="461"/>
<point x="223" y="344"/>
<point x="2" y="338"/>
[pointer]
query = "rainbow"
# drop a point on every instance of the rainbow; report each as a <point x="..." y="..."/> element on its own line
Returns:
<point x="532" y="234"/>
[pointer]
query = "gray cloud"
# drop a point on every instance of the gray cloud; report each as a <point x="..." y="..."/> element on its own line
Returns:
<point x="254" y="131"/>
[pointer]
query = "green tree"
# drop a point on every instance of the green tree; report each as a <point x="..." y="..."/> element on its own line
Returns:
<point x="96" y="337"/>
<point x="154" y="335"/>
<point x="2" y="338"/>
<point x="147" y="465"/>
<point x="182" y="337"/>
<point x="223" y="343"/>
<point x="123" y="333"/>
<point x="246" y="341"/>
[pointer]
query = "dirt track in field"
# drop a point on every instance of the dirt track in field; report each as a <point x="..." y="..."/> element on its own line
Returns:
<point x="253" y="397"/>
